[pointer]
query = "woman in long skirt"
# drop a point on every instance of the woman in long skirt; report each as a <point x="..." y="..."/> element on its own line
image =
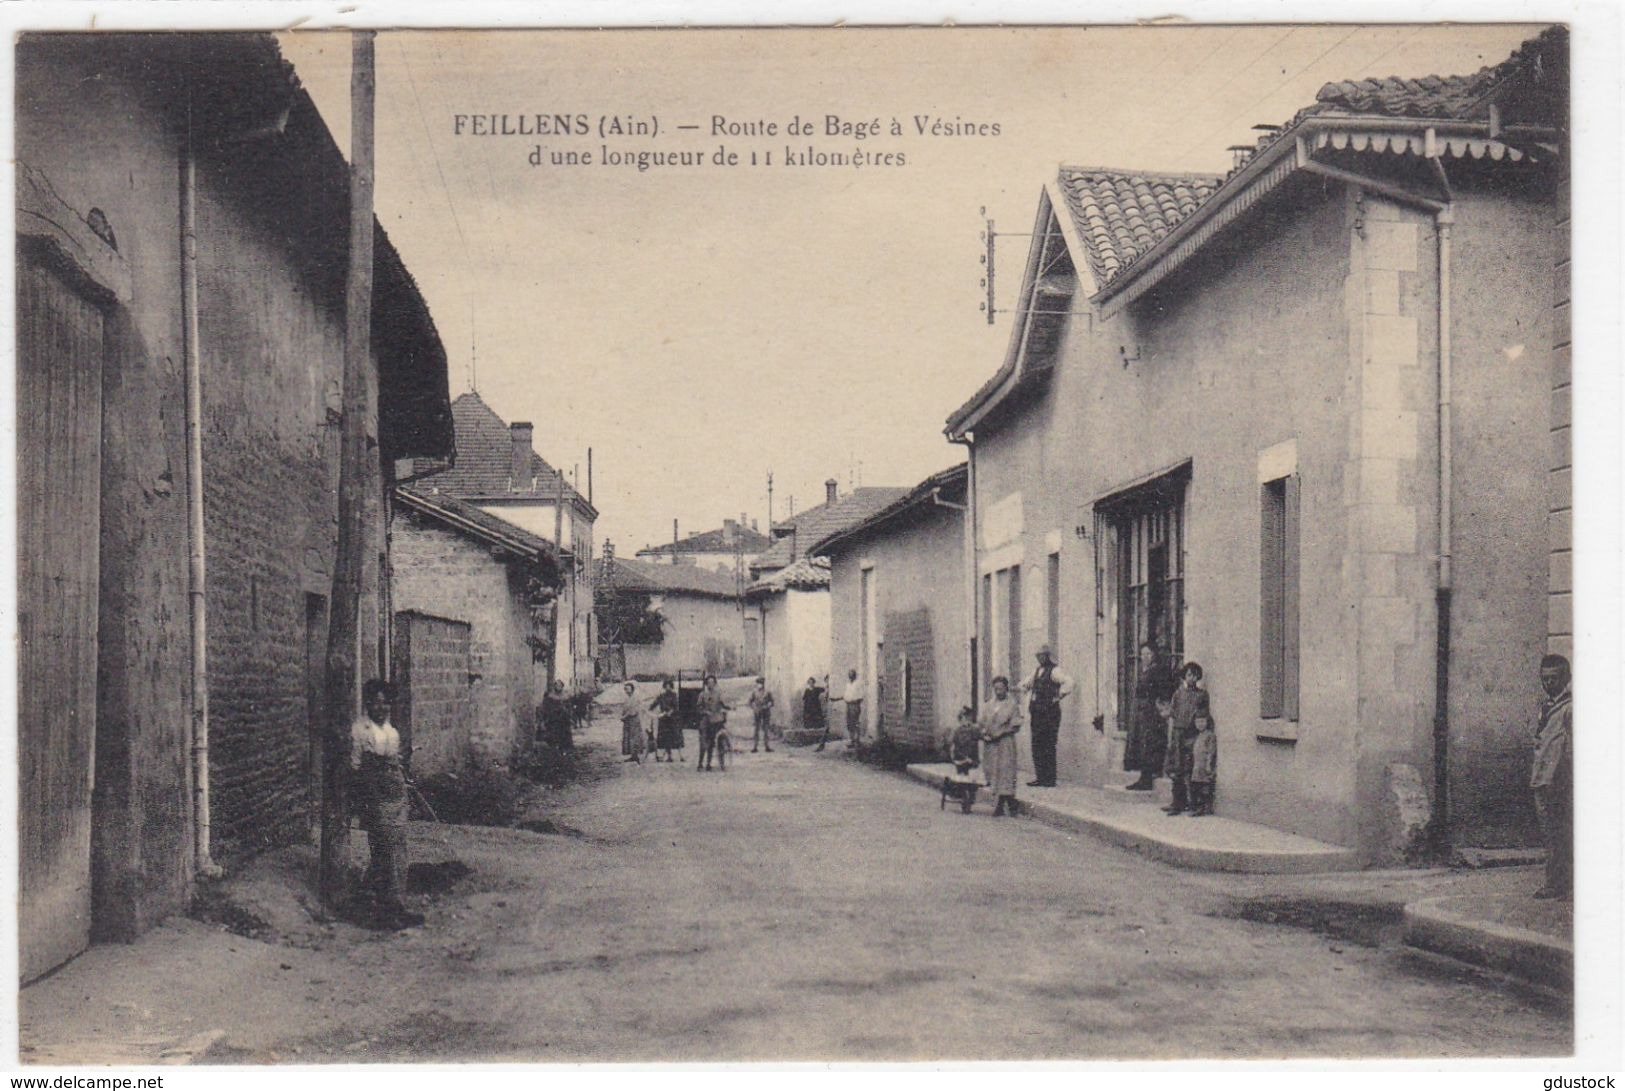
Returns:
<point x="1001" y="720"/>
<point x="632" y="740"/>
<point x="668" y="732"/>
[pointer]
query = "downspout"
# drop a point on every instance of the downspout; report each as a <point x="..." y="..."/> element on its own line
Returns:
<point x="197" y="573"/>
<point x="969" y="444"/>
<point x="1443" y="219"/>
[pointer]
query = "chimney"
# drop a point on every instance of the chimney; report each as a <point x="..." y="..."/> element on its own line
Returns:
<point x="730" y="531"/>
<point x="829" y="491"/>
<point x="754" y="525"/>
<point x="521" y="431"/>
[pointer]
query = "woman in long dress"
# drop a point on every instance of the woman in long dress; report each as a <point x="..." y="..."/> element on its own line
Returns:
<point x="668" y="732"/>
<point x="632" y="740"/>
<point x="1001" y="720"/>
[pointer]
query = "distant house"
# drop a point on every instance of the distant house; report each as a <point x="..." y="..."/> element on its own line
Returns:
<point x="1300" y="423"/>
<point x="732" y="548"/>
<point x="474" y="598"/>
<point x="498" y="471"/>
<point x="118" y="137"/>
<point x="701" y="619"/>
<point x="789" y="599"/>
<point x="899" y="610"/>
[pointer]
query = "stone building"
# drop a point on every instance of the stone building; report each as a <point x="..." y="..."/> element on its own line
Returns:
<point x="125" y="145"/>
<point x="701" y="619"/>
<point x="474" y="604"/>
<point x="789" y="598"/>
<point x="1296" y="422"/>
<point x="899" y="611"/>
<point x="499" y="471"/>
<point x="731" y="548"/>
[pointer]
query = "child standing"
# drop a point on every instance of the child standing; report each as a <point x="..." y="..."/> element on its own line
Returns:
<point x="1204" y="767"/>
<point x="1189" y="704"/>
<point x="761" y="714"/>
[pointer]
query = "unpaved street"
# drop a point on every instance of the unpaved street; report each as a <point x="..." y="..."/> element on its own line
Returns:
<point x="802" y="906"/>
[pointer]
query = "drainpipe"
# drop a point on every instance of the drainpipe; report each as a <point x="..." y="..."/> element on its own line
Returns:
<point x="1443" y="217"/>
<point x="1443" y="220"/>
<point x="972" y="603"/>
<point x="203" y="862"/>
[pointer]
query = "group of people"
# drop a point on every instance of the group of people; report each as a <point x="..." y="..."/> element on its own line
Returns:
<point x="638" y="737"/>
<point x="1171" y="733"/>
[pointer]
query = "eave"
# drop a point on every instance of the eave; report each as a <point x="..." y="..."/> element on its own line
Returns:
<point x="1291" y="152"/>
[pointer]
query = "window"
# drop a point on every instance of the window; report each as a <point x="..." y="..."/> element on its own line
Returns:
<point x="987" y="631"/>
<point x="908" y="688"/>
<point x="1015" y="622"/>
<point x="1052" y="626"/>
<point x="1278" y="600"/>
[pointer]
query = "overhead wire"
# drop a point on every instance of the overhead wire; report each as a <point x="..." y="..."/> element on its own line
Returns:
<point x="445" y="189"/>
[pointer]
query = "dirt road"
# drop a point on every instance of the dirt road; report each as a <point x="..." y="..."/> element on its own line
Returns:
<point x="799" y="906"/>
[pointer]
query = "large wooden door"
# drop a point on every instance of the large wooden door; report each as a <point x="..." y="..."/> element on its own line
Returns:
<point x="59" y="426"/>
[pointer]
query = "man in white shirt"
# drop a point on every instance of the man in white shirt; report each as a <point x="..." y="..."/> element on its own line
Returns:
<point x="1046" y="687"/>
<point x="379" y="776"/>
<point x="854" y="708"/>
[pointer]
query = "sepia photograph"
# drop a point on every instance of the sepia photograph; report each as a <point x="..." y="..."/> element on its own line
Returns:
<point x="802" y="544"/>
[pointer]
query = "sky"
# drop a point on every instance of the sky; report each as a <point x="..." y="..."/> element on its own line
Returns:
<point x="698" y="327"/>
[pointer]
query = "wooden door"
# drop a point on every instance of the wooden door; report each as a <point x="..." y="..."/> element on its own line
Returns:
<point x="59" y="425"/>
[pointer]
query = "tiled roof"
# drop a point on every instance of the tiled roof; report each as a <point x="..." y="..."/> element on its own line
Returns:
<point x="815" y="524"/>
<point x="951" y="483"/>
<point x="1443" y="97"/>
<point x="666" y="578"/>
<point x="805" y="574"/>
<point x="474" y="522"/>
<point x="484" y="468"/>
<point x="714" y="541"/>
<point x="1120" y="214"/>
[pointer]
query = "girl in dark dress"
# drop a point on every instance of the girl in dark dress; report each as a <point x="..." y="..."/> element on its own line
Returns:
<point x="668" y="732"/>
<point x="557" y="719"/>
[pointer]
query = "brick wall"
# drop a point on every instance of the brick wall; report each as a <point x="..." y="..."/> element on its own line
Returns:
<point x="439" y="572"/>
<point x="432" y="699"/>
<point x="911" y="716"/>
<point x="272" y="347"/>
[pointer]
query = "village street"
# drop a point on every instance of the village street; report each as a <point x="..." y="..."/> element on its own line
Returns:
<point x="800" y="906"/>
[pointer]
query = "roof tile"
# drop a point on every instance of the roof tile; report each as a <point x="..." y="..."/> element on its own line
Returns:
<point x="484" y="467"/>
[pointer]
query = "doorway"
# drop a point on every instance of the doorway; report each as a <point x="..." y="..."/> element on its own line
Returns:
<point x="59" y="453"/>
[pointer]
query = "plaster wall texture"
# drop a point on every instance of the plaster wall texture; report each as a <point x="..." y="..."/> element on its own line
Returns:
<point x="1315" y="328"/>
<point x="918" y="578"/>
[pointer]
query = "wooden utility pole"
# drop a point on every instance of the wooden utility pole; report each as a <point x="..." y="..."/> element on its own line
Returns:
<point x="354" y="480"/>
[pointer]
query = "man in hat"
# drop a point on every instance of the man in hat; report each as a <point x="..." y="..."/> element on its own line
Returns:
<point x="1046" y="689"/>
<point x="1552" y="777"/>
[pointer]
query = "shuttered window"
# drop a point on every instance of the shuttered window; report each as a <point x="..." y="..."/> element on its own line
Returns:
<point x="1278" y="600"/>
<point x="1015" y="623"/>
<point x="987" y="632"/>
<point x="1052" y="625"/>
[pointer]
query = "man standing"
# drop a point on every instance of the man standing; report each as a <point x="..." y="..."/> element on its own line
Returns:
<point x="1552" y="777"/>
<point x="854" y="708"/>
<point x="1046" y="689"/>
<point x="377" y="771"/>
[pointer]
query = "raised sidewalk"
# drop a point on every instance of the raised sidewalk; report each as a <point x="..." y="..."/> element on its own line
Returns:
<point x="1212" y="843"/>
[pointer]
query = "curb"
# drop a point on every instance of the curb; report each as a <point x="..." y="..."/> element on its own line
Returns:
<point x="1304" y="858"/>
<point x="1531" y="956"/>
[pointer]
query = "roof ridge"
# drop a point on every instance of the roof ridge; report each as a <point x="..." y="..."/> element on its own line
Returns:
<point x="1191" y="176"/>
